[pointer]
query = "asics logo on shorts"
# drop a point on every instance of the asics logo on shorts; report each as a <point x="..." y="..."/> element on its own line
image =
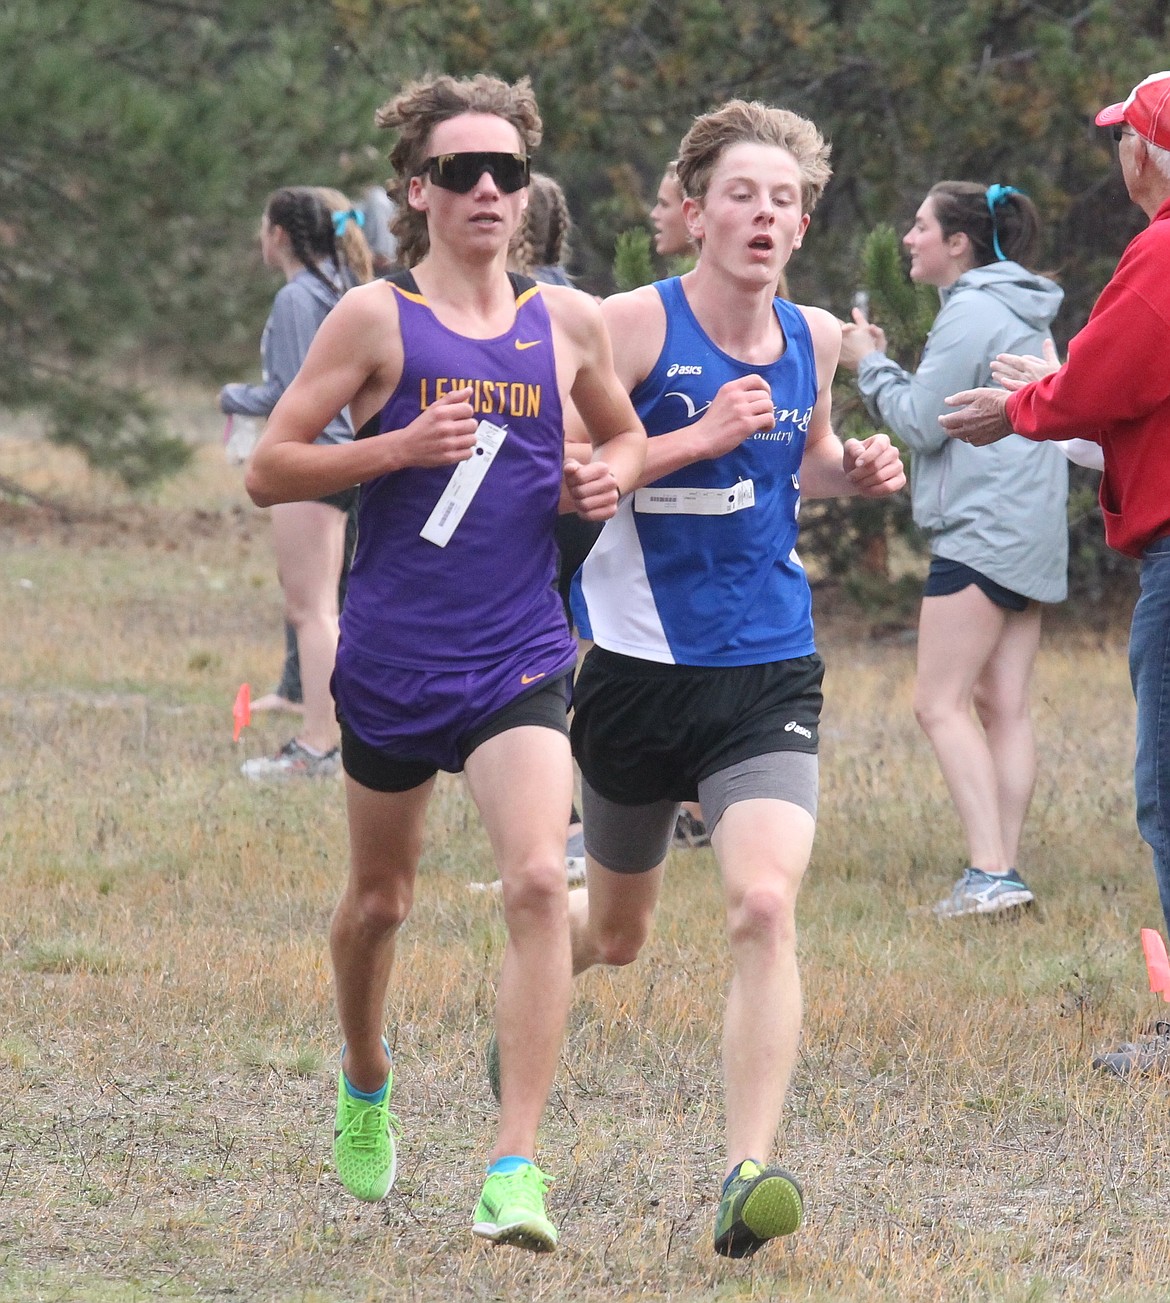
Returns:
<point x="793" y="727"/>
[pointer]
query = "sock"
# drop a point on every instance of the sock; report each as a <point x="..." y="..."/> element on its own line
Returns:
<point x="374" y="1097"/>
<point x="507" y="1165"/>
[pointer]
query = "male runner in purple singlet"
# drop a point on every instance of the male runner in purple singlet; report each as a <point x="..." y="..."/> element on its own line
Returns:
<point x="454" y="650"/>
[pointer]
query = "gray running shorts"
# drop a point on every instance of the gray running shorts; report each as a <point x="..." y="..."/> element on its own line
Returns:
<point x="635" y="838"/>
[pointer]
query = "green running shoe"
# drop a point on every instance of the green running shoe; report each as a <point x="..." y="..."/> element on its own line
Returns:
<point x="511" y="1210"/>
<point x="363" y="1143"/>
<point x="758" y="1204"/>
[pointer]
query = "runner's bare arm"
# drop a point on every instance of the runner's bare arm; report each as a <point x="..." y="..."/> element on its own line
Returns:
<point x="355" y="360"/>
<point x="871" y="467"/>
<point x="601" y="411"/>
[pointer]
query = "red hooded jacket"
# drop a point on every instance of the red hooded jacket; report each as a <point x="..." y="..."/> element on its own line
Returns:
<point x="1115" y="390"/>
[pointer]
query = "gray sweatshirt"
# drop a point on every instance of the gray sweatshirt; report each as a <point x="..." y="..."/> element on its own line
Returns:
<point x="297" y="312"/>
<point x="1002" y="509"/>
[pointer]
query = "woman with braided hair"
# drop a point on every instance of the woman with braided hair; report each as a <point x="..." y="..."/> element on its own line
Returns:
<point x="301" y="238"/>
<point x="541" y="246"/>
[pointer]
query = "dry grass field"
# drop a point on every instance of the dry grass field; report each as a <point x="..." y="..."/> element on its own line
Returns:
<point x="168" y="1044"/>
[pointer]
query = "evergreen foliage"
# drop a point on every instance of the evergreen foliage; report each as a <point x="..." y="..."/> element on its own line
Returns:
<point x="632" y="263"/>
<point x="903" y="309"/>
<point x="139" y="138"/>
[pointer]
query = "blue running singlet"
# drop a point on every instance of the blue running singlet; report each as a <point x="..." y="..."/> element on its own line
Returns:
<point x="710" y="576"/>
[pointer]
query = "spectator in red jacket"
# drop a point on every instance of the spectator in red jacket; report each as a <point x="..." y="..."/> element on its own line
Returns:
<point x="1114" y="389"/>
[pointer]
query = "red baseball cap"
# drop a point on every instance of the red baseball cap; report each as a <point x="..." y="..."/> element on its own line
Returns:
<point x="1147" y="110"/>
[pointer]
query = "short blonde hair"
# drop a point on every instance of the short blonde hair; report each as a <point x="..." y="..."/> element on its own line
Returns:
<point x="418" y="109"/>
<point x="739" y="122"/>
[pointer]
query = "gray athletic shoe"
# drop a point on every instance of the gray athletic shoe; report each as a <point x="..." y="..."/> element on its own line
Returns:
<point x="293" y="761"/>
<point x="575" y="858"/>
<point x="977" y="892"/>
<point x="1133" y="1058"/>
<point x="689" y="833"/>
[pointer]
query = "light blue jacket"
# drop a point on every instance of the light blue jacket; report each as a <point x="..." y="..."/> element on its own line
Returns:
<point x="298" y="310"/>
<point x="1001" y="509"/>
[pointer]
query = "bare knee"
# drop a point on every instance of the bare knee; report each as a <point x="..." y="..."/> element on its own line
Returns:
<point x="618" y="942"/>
<point x="997" y="709"/>
<point x="931" y="713"/>
<point x="764" y="916"/>
<point x="302" y="614"/>
<point x="378" y="911"/>
<point x="535" y="892"/>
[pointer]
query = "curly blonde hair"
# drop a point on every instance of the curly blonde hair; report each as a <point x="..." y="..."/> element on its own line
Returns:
<point x="739" y="122"/>
<point x="418" y="109"/>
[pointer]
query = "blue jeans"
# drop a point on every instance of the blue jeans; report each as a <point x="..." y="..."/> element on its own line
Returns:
<point x="1149" y="672"/>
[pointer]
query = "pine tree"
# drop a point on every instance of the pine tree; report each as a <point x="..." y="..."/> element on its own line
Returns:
<point x="903" y="309"/>
<point x="632" y="264"/>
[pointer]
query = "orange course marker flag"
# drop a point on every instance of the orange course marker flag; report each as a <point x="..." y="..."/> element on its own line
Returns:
<point x="1157" y="962"/>
<point x="242" y="711"/>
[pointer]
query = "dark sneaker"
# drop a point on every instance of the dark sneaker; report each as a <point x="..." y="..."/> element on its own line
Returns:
<point x="293" y="761"/>
<point x="1133" y="1058"/>
<point x="758" y="1204"/>
<point x="689" y="833"/>
<point x="978" y="892"/>
<point x="511" y="1210"/>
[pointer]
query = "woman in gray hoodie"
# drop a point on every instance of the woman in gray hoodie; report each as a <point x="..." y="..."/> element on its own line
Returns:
<point x="997" y="525"/>
<point x="301" y="238"/>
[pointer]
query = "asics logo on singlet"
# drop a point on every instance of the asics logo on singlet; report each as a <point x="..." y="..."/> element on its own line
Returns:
<point x="675" y="369"/>
<point x="793" y="727"/>
<point x="692" y="410"/>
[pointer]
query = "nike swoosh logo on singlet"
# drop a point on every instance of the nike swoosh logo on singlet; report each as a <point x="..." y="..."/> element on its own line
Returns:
<point x="521" y="345"/>
<point x="530" y="678"/>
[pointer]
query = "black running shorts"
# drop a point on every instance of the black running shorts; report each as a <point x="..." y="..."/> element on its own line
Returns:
<point x="644" y="732"/>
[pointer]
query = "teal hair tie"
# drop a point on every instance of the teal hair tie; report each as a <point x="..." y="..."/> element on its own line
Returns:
<point x="340" y="219"/>
<point x="996" y="195"/>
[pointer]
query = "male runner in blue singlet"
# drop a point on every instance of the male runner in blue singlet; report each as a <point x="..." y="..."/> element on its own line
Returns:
<point x="704" y="682"/>
<point x="454" y="652"/>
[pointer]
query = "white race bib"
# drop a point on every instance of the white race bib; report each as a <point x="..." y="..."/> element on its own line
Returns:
<point x="463" y="485"/>
<point x="695" y="502"/>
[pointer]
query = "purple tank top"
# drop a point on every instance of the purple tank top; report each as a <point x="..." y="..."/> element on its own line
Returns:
<point x="491" y="590"/>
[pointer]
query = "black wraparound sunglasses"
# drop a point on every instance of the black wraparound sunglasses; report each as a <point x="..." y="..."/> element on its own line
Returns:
<point x="1118" y="132"/>
<point x="461" y="172"/>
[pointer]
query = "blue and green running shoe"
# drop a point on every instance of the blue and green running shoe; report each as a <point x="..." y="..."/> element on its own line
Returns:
<point x="758" y="1204"/>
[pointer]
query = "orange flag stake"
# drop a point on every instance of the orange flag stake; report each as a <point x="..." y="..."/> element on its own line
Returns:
<point x="1157" y="962"/>
<point x="242" y="711"/>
